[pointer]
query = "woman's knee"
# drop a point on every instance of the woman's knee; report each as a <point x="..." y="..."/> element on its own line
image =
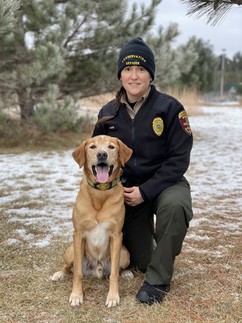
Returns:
<point x="171" y="218"/>
<point x="175" y="202"/>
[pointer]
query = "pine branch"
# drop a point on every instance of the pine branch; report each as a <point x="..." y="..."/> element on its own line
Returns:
<point x="215" y="10"/>
<point x="7" y="11"/>
<point x="74" y="32"/>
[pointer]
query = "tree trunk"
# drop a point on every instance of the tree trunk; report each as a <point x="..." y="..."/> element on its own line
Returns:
<point x="26" y="103"/>
<point x="24" y="91"/>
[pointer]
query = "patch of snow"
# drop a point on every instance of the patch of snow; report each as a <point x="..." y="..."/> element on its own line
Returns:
<point x="38" y="190"/>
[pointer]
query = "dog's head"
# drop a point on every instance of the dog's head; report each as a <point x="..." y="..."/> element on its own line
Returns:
<point x="102" y="157"/>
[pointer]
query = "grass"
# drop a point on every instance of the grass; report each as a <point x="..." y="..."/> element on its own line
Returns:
<point x="49" y="142"/>
<point x="206" y="286"/>
<point x="203" y="290"/>
<point x="20" y="137"/>
<point x="190" y="99"/>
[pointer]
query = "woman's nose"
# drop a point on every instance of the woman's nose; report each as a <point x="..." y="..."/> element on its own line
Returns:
<point x="134" y="74"/>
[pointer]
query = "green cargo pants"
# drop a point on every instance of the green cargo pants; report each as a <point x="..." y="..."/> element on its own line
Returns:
<point x="173" y="211"/>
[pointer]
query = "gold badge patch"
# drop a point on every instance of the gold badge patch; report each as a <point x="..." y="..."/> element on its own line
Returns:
<point x="158" y="126"/>
<point x="183" y="118"/>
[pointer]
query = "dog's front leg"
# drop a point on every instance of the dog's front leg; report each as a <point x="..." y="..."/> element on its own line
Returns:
<point x="76" y="297"/>
<point x="115" y="249"/>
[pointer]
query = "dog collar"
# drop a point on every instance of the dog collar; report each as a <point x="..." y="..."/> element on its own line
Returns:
<point x="103" y="186"/>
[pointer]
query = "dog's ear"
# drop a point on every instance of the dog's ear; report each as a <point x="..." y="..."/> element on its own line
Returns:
<point x="124" y="152"/>
<point x="79" y="154"/>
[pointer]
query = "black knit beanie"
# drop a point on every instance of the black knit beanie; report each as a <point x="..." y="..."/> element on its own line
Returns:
<point x="136" y="53"/>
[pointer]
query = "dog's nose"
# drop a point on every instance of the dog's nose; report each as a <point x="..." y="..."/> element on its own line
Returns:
<point x="102" y="155"/>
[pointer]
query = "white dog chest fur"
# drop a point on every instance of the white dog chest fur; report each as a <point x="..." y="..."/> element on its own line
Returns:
<point x="97" y="240"/>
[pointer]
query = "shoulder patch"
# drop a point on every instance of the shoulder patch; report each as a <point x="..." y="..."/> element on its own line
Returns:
<point x="183" y="118"/>
<point x="158" y="126"/>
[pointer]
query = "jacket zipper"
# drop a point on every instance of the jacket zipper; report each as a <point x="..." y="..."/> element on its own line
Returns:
<point x="133" y="141"/>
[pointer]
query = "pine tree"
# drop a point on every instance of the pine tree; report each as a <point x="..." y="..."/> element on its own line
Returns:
<point x="71" y="46"/>
<point x="204" y="72"/>
<point x="171" y="63"/>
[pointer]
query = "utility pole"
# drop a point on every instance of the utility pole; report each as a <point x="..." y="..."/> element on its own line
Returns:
<point x="222" y="74"/>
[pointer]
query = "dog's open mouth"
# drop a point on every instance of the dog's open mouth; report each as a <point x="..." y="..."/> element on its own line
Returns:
<point x="102" y="172"/>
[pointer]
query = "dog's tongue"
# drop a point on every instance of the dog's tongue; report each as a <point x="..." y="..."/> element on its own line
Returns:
<point x="102" y="174"/>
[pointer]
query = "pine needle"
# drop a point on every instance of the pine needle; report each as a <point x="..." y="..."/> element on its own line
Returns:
<point x="7" y="11"/>
<point x="214" y="10"/>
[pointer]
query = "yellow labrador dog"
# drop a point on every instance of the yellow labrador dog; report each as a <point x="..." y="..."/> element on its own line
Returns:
<point x="98" y="217"/>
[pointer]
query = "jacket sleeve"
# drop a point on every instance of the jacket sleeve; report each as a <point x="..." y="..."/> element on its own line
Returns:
<point x="172" y="169"/>
<point x="107" y="112"/>
<point x="99" y="128"/>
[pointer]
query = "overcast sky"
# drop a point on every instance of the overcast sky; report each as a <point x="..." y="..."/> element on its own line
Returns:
<point x="227" y="34"/>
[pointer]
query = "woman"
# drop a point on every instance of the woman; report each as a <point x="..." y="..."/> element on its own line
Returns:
<point x="156" y="127"/>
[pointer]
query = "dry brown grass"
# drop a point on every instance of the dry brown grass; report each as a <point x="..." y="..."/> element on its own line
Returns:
<point x="203" y="291"/>
<point x="29" y="137"/>
<point x="97" y="101"/>
<point x="189" y="98"/>
<point x="206" y="287"/>
<point x="41" y="142"/>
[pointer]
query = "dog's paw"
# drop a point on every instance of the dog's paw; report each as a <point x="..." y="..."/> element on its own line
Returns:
<point x="75" y="300"/>
<point x="59" y="275"/>
<point x="112" y="301"/>
<point x="127" y="274"/>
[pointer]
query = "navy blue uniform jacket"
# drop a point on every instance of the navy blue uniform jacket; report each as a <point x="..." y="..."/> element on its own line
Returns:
<point x="160" y="137"/>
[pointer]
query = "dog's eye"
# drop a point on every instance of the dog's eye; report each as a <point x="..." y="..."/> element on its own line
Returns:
<point x="93" y="146"/>
<point x="111" y="147"/>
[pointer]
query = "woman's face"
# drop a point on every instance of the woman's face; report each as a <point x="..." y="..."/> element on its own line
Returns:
<point x="136" y="81"/>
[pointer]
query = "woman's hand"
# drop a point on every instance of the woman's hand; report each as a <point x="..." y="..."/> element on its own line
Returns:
<point x="132" y="196"/>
